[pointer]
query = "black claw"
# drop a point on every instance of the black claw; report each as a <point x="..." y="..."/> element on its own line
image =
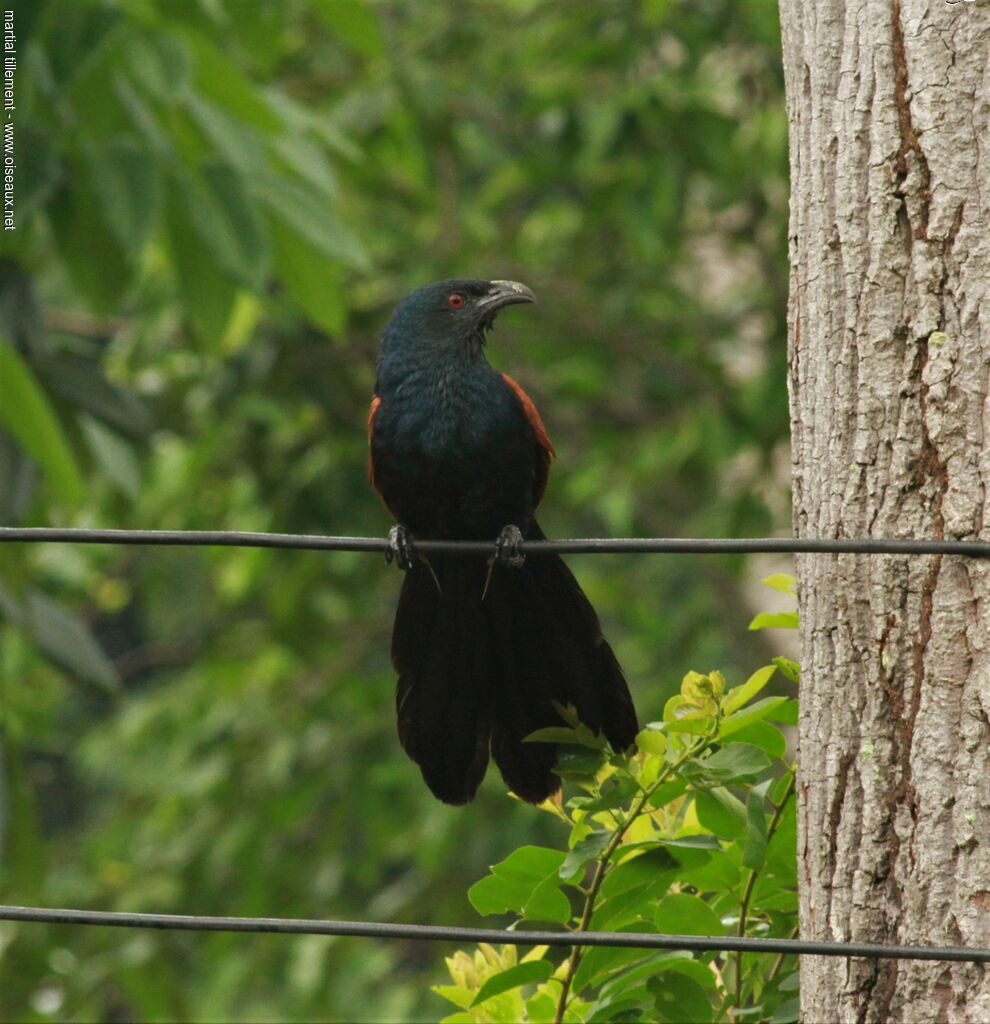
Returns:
<point x="507" y="553"/>
<point x="399" y="548"/>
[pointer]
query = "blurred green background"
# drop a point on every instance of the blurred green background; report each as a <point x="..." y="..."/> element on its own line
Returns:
<point x="217" y="205"/>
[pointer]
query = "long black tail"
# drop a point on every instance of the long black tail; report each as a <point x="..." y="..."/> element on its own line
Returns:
<point x="477" y="674"/>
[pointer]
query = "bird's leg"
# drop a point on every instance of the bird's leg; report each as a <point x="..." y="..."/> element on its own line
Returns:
<point x="399" y="548"/>
<point x="507" y="553"/>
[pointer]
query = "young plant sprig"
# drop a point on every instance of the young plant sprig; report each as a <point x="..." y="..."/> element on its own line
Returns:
<point x="694" y="833"/>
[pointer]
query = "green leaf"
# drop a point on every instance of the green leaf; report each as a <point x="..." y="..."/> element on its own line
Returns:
<point x="777" y="902"/>
<point x="455" y="994"/>
<point x="541" y="1008"/>
<point x="310" y="278"/>
<point x="300" y="119"/>
<point x="207" y="293"/>
<point x="693" y="843"/>
<point x="561" y="734"/>
<point x="532" y="972"/>
<point x="787" y="1012"/>
<point x="682" y="913"/>
<point x="732" y="762"/>
<point x="127" y="185"/>
<point x="781" y="581"/>
<point x="696" y="970"/>
<point x="775" y="620"/>
<point x="789" y="669"/>
<point x="240" y="146"/>
<point x="585" y="851"/>
<point x="678" y="999"/>
<point x="308" y="214"/>
<point x="747" y="716"/>
<point x="220" y="79"/>
<point x="95" y="260"/>
<point x="782" y="850"/>
<point x="643" y="869"/>
<point x="787" y="713"/>
<point x="617" y="1009"/>
<point x="19" y="475"/>
<point x="635" y="904"/>
<point x="651" y="740"/>
<point x="25" y="412"/>
<point x="693" y="726"/>
<point x="668" y="792"/>
<point x="598" y="963"/>
<point x="306" y="159"/>
<point x="702" y="691"/>
<point x="114" y="455"/>
<point x="618" y="985"/>
<point x="526" y="883"/>
<point x="579" y="762"/>
<point x="615" y="791"/>
<point x="740" y="695"/>
<point x="755" y="848"/>
<point x="721" y="812"/>
<point x="353" y="22"/>
<point x="763" y="735"/>
<point x="227" y="222"/>
<point x="160" y="62"/>
<point x="80" y="379"/>
<point x="64" y="638"/>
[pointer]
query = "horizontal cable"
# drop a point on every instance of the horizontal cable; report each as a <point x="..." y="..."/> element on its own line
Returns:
<point x="579" y="546"/>
<point x="379" y="930"/>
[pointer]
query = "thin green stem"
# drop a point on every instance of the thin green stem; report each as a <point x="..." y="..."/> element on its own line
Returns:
<point x="751" y="885"/>
<point x="779" y="961"/>
<point x="602" y="864"/>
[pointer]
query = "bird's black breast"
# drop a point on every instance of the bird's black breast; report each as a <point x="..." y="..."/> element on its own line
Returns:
<point x="454" y="454"/>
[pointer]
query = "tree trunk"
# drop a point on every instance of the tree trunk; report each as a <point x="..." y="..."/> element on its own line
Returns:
<point x="889" y="102"/>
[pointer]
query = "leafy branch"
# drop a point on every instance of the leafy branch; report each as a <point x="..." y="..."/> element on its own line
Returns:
<point x="603" y="861"/>
<point x="751" y="884"/>
<point x="694" y="833"/>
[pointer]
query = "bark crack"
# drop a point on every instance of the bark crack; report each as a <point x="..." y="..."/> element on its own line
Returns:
<point x="835" y="808"/>
<point x="910" y="143"/>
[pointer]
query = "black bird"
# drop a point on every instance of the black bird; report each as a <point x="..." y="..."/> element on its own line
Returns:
<point x="483" y="646"/>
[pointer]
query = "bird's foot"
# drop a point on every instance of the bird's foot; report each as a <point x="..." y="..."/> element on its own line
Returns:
<point x="399" y="548"/>
<point x="507" y="553"/>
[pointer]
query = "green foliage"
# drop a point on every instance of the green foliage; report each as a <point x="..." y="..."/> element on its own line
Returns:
<point x="217" y="205"/>
<point x="28" y="416"/>
<point x="693" y="834"/>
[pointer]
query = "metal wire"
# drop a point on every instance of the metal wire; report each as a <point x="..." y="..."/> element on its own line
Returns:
<point x="436" y="933"/>
<point x="372" y="929"/>
<point x="592" y="545"/>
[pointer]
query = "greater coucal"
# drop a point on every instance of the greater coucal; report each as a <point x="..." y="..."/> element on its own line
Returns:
<point x="483" y="646"/>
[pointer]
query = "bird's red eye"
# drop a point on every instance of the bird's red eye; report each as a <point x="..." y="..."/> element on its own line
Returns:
<point x="455" y="301"/>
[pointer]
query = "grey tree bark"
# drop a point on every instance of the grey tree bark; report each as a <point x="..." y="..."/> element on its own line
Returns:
<point x="889" y="106"/>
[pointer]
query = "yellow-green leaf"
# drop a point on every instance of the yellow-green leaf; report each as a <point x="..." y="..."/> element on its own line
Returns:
<point x="775" y="620"/>
<point x="740" y="695"/>
<point x="531" y="973"/>
<point x="781" y="581"/>
<point x="27" y="414"/>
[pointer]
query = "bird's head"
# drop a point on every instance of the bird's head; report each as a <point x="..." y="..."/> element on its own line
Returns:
<point x="453" y="313"/>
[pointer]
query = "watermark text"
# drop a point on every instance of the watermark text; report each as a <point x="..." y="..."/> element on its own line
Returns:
<point x="9" y="67"/>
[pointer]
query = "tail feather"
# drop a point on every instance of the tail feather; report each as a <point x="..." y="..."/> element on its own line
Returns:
<point x="522" y="701"/>
<point x="560" y="655"/>
<point x="478" y="672"/>
<point x="439" y="650"/>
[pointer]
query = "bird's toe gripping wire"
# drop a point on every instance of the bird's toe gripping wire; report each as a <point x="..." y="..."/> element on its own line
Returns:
<point x="399" y="548"/>
<point x="507" y="553"/>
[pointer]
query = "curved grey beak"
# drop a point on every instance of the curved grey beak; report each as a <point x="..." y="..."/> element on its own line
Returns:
<point x="504" y="293"/>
